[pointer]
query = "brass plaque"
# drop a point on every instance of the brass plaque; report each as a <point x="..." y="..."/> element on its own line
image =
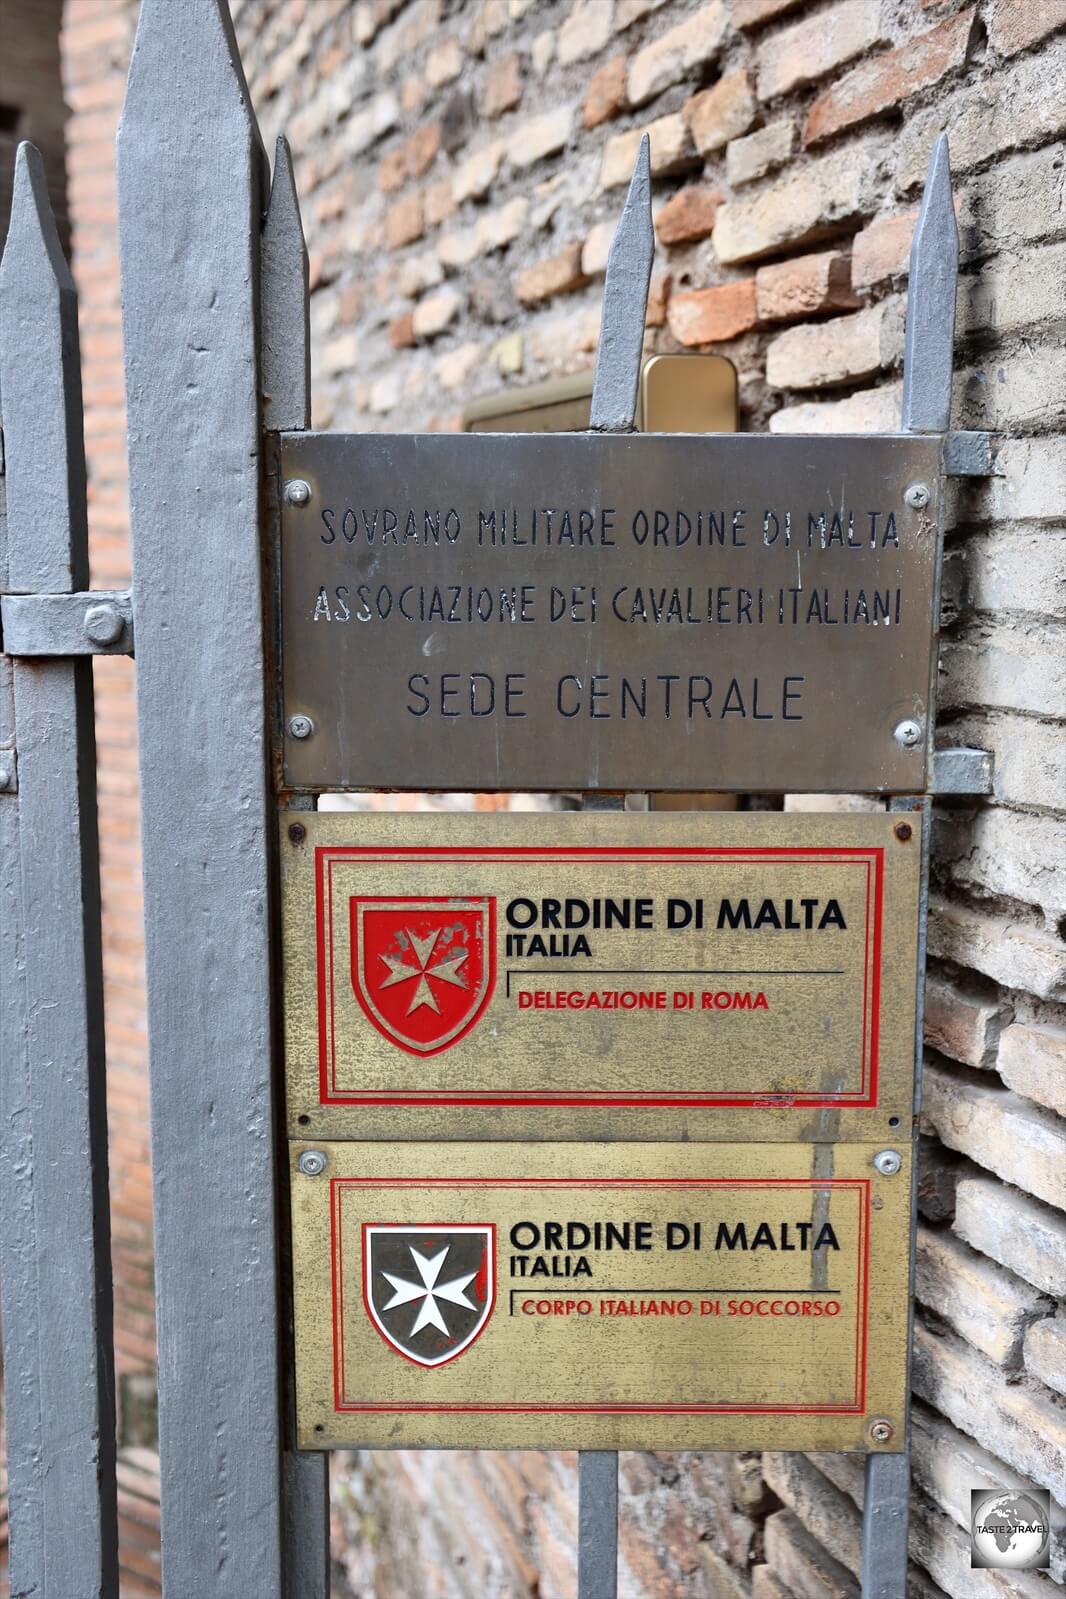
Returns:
<point x="603" y="1297"/>
<point x="582" y="975"/>
<point x="579" y="611"/>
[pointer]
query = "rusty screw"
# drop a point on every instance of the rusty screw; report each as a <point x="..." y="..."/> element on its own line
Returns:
<point x="297" y="833"/>
<point x="881" y="1431"/>
<point x="903" y="831"/>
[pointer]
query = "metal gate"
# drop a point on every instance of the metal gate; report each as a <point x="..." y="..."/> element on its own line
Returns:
<point x="215" y="315"/>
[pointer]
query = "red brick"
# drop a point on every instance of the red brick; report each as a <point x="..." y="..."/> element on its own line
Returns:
<point x="882" y="251"/>
<point x="723" y="112"/>
<point x="439" y="202"/>
<point x="503" y="86"/>
<point x="803" y="287"/>
<point x="658" y="298"/>
<point x="422" y="148"/>
<point x="1014" y="25"/>
<point x="817" y="45"/>
<point x="402" y="331"/>
<point x="557" y="275"/>
<point x="708" y="316"/>
<point x="689" y="214"/>
<point x="606" y="95"/>
<point x="887" y="80"/>
<point x="392" y="171"/>
<point x="405" y="221"/>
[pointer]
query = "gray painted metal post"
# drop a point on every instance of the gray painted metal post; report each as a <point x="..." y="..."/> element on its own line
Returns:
<point x="191" y="198"/>
<point x="597" y="1469"/>
<point x="597" y="1524"/>
<point x="285" y="377"/>
<point x="614" y="402"/>
<point x="927" y="373"/>
<point x="55" y="1267"/>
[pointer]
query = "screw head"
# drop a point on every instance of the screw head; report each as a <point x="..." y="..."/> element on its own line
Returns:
<point x="907" y="733"/>
<point x="880" y="1431"/>
<point x="103" y="624"/>
<point x="917" y="496"/>
<point x="297" y="491"/>
<point x="300" y="727"/>
<point x="888" y="1162"/>
<point x="903" y="831"/>
<point x="313" y="1162"/>
<point x="297" y="833"/>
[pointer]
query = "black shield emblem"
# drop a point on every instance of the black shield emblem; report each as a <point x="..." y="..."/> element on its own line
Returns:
<point x="429" y="1290"/>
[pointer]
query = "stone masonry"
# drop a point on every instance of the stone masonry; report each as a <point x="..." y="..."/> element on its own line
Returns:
<point x="460" y="167"/>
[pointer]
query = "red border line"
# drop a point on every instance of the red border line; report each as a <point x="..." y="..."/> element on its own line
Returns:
<point x="862" y="1098"/>
<point x="343" y="1405"/>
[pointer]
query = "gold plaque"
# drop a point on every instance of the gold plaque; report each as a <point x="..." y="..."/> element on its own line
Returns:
<point x="713" y="976"/>
<point x="618" y="1296"/>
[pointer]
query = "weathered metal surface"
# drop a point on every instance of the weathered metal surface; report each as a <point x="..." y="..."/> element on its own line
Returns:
<point x="703" y="612"/>
<point x="597" y="1524"/>
<point x="968" y="454"/>
<point x="189" y="153"/>
<point x="55" y="1268"/>
<point x="961" y="771"/>
<point x="781" y="1323"/>
<point x="476" y="974"/>
<point x="886" y="1504"/>
<point x="99" y="622"/>
<point x="625" y="304"/>
<point x="934" y="270"/>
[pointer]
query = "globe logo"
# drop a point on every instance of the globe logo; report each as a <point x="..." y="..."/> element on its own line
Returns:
<point x="1010" y="1530"/>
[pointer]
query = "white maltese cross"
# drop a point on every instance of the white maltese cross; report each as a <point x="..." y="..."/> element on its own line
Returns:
<point x="445" y="971"/>
<point x="429" y="1290"/>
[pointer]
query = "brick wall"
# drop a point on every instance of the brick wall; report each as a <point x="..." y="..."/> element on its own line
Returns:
<point x="461" y="167"/>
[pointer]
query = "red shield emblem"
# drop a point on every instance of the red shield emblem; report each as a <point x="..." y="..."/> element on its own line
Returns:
<point x="423" y="970"/>
<point x="429" y="1290"/>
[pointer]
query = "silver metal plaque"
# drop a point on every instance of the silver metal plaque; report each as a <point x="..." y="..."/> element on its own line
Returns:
<point x="578" y="611"/>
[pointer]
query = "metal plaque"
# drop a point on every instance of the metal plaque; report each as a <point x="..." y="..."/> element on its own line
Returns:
<point x="600" y="1296"/>
<point x="580" y="611"/>
<point x="583" y="975"/>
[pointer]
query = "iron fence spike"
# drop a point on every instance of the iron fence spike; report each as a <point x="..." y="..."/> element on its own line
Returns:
<point x="625" y="304"/>
<point x="285" y="336"/>
<point x="206" y="31"/>
<point x="32" y="229"/>
<point x="40" y="363"/>
<point x="934" y="270"/>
